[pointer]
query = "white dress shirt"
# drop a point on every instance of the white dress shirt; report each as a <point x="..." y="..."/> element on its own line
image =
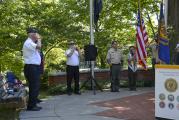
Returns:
<point x="30" y="53"/>
<point x="73" y="60"/>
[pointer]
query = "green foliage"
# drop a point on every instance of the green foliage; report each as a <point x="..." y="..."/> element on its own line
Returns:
<point x="44" y="80"/>
<point x="55" y="60"/>
<point x="57" y="90"/>
<point x="63" y="20"/>
<point x="12" y="62"/>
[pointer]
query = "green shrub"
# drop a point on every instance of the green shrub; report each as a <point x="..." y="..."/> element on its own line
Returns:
<point x="44" y="80"/>
<point x="57" y="90"/>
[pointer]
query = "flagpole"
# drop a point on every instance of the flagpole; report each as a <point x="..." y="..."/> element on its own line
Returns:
<point x="166" y="11"/>
<point x="92" y="43"/>
<point x="151" y="28"/>
<point x="91" y="23"/>
<point x="140" y="14"/>
<point x="159" y="21"/>
<point x="151" y="24"/>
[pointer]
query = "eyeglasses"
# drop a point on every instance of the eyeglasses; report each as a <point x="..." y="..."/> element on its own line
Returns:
<point x="114" y="43"/>
<point x="71" y="43"/>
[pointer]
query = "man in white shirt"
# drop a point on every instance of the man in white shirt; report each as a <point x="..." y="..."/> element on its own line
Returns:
<point x="32" y="62"/>
<point x="72" y="68"/>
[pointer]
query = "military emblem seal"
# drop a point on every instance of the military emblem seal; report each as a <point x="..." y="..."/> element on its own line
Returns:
<point x="171" y="85"/>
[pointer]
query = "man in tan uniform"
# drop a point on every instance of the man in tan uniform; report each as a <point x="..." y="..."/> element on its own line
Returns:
<point x="115" y="60"/>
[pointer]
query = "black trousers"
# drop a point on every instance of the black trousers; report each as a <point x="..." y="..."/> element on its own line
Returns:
<point x="32" y="74"/>
<point x="177" y="58"/>
<point x="72" y="73"/>
<point x="153" y="63"/>
<point x="132" y="79"/>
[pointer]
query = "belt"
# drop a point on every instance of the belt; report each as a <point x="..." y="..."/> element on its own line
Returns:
<point x="117" y="64"/>
<point x="32" y="65"/>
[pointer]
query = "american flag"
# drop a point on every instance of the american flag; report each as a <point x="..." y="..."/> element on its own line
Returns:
<point x="141" y="40"/>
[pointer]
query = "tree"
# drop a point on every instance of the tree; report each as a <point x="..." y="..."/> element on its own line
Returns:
<point x="173" y="24"/>
<point x="63" y="20"/>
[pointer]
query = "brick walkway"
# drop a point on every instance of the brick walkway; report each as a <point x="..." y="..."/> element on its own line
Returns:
<point x="137" y="107"/>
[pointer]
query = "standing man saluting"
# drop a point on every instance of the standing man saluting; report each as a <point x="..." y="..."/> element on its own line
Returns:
<point x="72" y="68"/>
<point x="115" y="60"/>
<point x="32" y="62"/>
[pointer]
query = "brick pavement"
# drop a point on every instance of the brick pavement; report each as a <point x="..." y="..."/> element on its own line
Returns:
<point x="137" y="107"/>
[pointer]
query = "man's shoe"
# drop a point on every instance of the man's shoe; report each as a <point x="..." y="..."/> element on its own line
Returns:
<point x="116" y="91"/>
<point x="35" y="108"/>
<point x="77" y="93"/>
<point x="69" y="93"/>
<point x="132" y="89"/>
<point x="39" y="101"/>
<point x="112" y="90"/>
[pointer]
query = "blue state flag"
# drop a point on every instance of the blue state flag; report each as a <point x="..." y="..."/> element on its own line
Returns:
<point x="164" y="50"/>
<point x="97" y="10"/>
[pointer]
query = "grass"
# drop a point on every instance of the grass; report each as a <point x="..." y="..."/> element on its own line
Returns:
<point x="43" y="94"/>
<point x="9" y="114"/>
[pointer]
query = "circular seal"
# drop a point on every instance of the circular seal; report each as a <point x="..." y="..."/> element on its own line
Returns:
<point x="171" y="97"/>
<point x="162" y="104"/>
<point x="171" y="85"/>
<point x="178" y="98"/>
<point x="162" y="96"/>
<point x="178" y="107"/>
<point x="171" y="105"/>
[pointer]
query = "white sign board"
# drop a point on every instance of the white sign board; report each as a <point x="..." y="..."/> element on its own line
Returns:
<point x="167" y="91"/>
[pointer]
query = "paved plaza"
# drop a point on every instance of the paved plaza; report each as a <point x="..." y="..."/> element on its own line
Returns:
<point x="106" y="105"/>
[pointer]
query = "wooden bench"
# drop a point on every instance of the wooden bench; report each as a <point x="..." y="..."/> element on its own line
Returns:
<point x="15" y="101"/>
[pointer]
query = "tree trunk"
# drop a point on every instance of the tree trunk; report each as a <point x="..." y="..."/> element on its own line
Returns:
<point x="173" y="25"/>
<point x="102" y="61"/>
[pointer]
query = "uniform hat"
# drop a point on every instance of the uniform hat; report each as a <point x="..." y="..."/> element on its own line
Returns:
<point x="113" y="42"/>
<point x="31" y="30"/>
<point x="131" y="46"/>
<point x="71" y="42"/>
